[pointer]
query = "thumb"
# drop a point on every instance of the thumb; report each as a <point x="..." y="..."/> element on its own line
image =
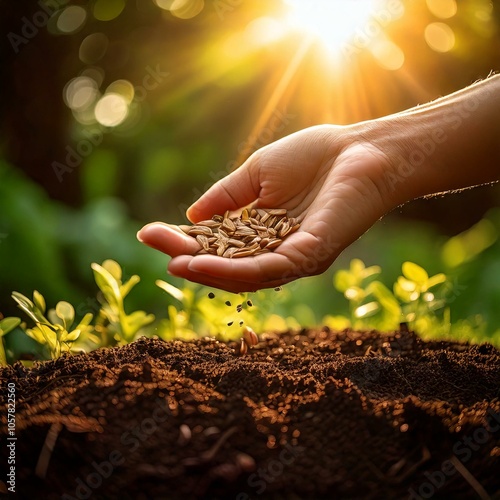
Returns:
<point x="234" y="191"/>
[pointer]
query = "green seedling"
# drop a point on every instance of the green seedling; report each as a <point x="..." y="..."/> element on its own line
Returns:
<point x="6" y="326"/>
<point x="371" y="303"/>
<point x="114" y="324"/>
<point x="55" y="331"/>
<point x="417" y="298"/>
<point x="203" y="312"/>
<point x="422" y="297"/>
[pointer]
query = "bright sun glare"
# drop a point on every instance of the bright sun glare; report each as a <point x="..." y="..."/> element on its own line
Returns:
<point x="333" y="22"/>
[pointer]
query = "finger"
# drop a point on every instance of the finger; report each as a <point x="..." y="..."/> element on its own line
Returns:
<point x="168" y="239"/>
<point x="234" y="191"/>
<point x="179" y="266"/>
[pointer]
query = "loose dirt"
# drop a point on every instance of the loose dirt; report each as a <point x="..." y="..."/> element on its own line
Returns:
<point x="310" y="414"/>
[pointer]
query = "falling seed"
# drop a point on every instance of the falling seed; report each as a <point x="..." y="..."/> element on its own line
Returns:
<point x="239" y="308"/>
<point x="211" y="295"/>
<point x="227" y="303"/>
<point x="249" y="303"/>
<point x="230" y="323"/>
<point x="250" y="337"/>
<point x="241" y="323"/>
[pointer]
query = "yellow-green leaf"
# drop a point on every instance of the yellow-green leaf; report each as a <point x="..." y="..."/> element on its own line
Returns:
<point x="414" y="272"/>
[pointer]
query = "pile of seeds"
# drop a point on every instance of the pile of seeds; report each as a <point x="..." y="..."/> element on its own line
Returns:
<point x="254" y="232"/>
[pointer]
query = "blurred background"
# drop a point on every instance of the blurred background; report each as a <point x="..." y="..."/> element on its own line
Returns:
<point x="119" y="112"/>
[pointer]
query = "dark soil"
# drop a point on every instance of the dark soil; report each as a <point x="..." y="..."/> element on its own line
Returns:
<point x="315" y="414"/>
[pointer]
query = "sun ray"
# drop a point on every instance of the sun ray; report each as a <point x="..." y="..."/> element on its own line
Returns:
<point x="279" y="91"/>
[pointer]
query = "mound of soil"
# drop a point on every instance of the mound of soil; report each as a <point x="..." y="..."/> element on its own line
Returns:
<point x="313" y="414"/>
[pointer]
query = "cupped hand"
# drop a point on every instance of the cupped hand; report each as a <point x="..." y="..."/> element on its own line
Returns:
<point x="327" y="177"/>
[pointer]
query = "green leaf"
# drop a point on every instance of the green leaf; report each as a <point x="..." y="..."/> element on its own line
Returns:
<point x="113" y="268"/>
<point x="406" y="285"/>
<point x="437" y="279"/>
<point x="175" y="292"/>
<point x="354" y="293"/>
<point x="8" y="324"/>
<point x="85" y="321"/>
<point x="27" y="307"/>
<point x="138" y="319"/>
<point x="39" y="301"/>
<point x="66" y="312"/>
<point x="371" y="271"/>
<point x="126" y="287"/>
<point x="404" y="292"/>
<point x="414" y="272"/>
<point x="54" y="318"/>
<point x="367" y="310"/>
<point x="107" y="284"/>
<point x="357" y="268"/>
<point x="71" y="337"/>
<point x="385" y="298"/>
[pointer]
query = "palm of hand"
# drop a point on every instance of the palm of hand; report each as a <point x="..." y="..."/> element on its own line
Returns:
<point x="319" y="178"/>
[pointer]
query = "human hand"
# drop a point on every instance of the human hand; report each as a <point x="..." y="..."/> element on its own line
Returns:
<point x="325" y="176"/>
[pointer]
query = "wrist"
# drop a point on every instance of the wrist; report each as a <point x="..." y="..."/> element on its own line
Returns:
<point x="448" y="144"/>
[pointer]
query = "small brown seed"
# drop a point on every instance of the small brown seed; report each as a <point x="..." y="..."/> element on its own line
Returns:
<point x="203" y="241"/>
<point x="229" y="252"/>
<point x="254" y="232"/>
<point x="277" y="211"/>
<point x="208" y="223"/>
<point x="197" y="230"/>
<point x="243" y="347"/>
<point x="274" y="243"/>
<point x="250" y="336"/>
<point x="236" y="243"/>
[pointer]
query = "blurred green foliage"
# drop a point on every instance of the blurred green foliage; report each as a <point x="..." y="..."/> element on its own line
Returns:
<point x="201" y="87"/>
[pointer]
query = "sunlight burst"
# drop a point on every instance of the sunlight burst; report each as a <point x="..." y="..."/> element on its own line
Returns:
<point x="332" y="22"/>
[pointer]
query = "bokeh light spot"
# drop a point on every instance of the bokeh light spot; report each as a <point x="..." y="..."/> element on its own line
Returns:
<point x="80" y="93"/>
<point x="71" y="19"/>
<point x="107" y="10"/>
<point x="93" y="48"/>
<point x="164" y="4"/>
<point x="94" y="72"/>
<point x="388" y="55"/>
<point x="123" y="88"/>
<point x="111" y="110"/>
<point x="440" y="37"/>
<point x="186" y="9"/>
<point x="442" y="8"/>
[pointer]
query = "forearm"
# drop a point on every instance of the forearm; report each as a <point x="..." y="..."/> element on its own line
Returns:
<point x="451" y="143"/>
